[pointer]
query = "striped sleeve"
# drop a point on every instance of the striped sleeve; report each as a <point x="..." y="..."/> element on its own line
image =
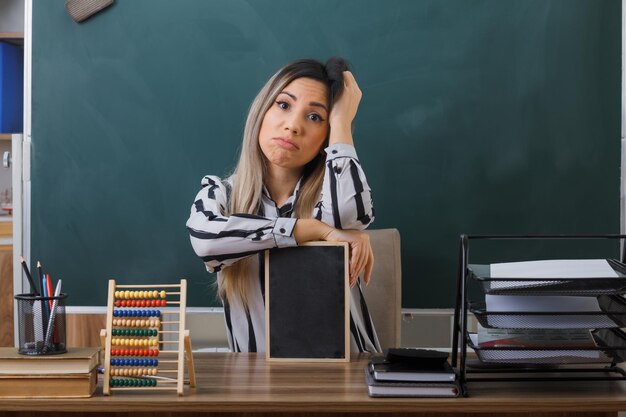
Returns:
<point x="223" y="240"/>
<point x="346" y="201"/>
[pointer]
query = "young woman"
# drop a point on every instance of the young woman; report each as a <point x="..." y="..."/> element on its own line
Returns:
<point x="298" y="179"/>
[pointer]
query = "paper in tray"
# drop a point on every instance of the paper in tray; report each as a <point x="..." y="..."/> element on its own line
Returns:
<point x="551" y="282"/>
<point x="536" y="356"/>
<point x="610" y="311"/>
<point x="611" y="347"/>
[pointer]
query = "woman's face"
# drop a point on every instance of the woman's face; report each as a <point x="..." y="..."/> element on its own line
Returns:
<point x="294" y="128"/>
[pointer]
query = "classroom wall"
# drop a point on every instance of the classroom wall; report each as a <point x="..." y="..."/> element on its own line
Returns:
<point x="5" y="175"/>
<point x="482" y="116"/>
<point x="11" y="15"/>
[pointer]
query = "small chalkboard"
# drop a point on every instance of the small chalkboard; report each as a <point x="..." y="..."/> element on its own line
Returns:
<point x="307" y="303"/>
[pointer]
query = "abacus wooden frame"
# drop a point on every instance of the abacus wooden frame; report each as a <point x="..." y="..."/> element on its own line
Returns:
<point x="183" y="353"/>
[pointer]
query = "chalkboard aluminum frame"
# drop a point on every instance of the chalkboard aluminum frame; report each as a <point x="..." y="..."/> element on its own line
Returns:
<point x="346" y="310"/>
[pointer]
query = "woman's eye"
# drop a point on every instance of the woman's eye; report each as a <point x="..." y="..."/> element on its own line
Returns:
<point x="315" y="117"/>
<point x="283" y="105"/>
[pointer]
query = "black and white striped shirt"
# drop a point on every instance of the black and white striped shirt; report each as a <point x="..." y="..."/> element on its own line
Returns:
<point x="221" y="240"/>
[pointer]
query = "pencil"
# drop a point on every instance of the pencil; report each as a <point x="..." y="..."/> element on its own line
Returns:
<point x="50" y="326"/>
<point x="33" y="288"/>
<point x="40" y="271"/>
<point x="45" y="313"/>
<point x="48" y="281"/>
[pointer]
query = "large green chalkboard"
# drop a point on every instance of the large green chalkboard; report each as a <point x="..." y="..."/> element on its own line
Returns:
<point x="478" y="116"/>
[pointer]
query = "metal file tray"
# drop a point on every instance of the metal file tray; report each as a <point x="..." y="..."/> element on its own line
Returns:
<point x="534" y="361"/>
<point x="612" y="314"/>
<point x="550" y="286"/>
<point x="611" y="348"/>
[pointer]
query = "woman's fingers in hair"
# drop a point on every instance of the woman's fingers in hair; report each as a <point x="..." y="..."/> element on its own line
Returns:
<point x="348" y="78"/>
<point x="349" y="81"/>
<point x="350" y="84"/>
<point x="345" y="108"/>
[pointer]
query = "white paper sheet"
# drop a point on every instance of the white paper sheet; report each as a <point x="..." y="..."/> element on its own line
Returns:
<point x="560" y="268"/>
<point x="545" y="304"/>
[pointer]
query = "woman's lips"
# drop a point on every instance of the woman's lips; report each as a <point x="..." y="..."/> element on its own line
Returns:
<point x="286" y="144"/>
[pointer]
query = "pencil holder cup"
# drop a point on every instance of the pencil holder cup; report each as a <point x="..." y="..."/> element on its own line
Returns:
<point x="41" y="323"/>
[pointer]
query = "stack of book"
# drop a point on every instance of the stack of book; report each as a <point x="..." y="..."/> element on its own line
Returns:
<point x="411" y="373"/>
<point x="71" y="374"/>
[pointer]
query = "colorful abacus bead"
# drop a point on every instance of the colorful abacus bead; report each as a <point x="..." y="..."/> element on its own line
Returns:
<point x="123" y="382"/>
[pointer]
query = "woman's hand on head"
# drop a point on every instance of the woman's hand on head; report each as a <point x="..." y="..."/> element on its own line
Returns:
<point x="344" y="111"/>
<point x="361" y="255"/>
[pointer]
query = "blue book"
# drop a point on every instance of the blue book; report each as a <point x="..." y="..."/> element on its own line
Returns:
<point x="11" y="88"/>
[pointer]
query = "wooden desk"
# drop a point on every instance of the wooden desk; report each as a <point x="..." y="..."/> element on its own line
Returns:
<point x="244" y="384"/>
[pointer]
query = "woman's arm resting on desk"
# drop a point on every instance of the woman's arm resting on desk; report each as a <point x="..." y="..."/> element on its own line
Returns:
<point x="220" y="240"/>
<point x="361" y="256"/>
<point x="223" y="240"/>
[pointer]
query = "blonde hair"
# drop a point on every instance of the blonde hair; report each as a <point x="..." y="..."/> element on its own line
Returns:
<point x="247" y="178"/>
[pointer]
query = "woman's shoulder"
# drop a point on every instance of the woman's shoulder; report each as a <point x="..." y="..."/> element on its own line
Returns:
<point x="214" y="180"/>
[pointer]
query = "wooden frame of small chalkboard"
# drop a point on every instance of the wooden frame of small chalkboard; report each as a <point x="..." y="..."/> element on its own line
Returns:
<point x="307" y="303"/>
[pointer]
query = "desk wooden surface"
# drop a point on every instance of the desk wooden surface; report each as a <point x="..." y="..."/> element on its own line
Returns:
<point x="247" y="384"/>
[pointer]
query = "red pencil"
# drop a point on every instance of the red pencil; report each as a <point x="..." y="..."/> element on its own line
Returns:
<point x="49" y="287"/>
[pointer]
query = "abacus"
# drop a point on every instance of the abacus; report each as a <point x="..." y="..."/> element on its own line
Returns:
<point x="137" y="355"/>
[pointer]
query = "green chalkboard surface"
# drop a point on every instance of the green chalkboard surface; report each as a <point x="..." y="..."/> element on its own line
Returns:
<point x="478" y="116"/>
